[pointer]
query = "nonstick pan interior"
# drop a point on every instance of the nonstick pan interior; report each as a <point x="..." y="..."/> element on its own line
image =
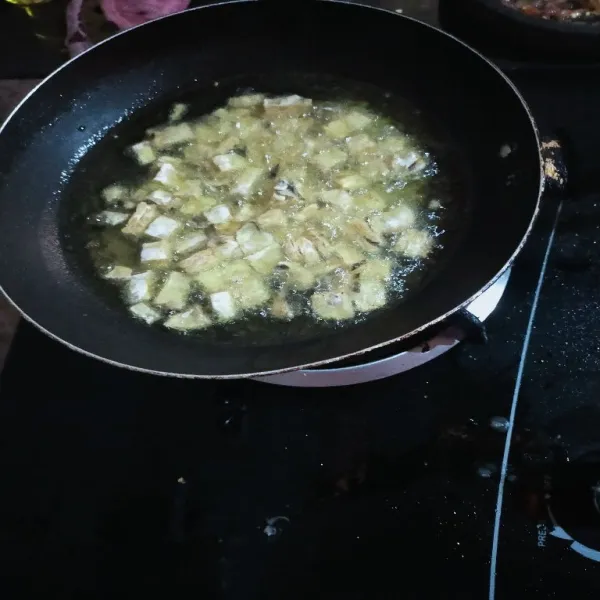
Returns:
<point x="107" y="162"/>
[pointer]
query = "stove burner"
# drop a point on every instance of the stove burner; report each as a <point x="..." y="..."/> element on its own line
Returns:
<point x="387" y="362"/>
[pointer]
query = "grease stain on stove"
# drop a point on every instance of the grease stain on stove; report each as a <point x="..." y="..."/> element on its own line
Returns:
<point x="487" y="471"/>
<point x="500" y="424"/>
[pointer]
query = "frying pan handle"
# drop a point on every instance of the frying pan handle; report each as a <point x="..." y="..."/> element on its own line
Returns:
<point x="555" y="170"/>
<point x="473" y="329"/>
<point x="462" y="325"/>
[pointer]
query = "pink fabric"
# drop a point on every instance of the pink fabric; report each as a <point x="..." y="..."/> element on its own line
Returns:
<point x="76" y="40"/>
<point x="128" y="13"/>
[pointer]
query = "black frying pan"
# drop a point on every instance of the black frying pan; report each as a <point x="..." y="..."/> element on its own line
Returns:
<point x="301" y="47"/>
<point x="543" y="40"/>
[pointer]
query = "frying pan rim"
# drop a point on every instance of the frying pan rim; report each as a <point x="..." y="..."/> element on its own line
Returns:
<point x="109" y="361"/>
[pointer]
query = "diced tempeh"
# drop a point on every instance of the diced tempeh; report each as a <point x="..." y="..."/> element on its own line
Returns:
<point x="363" y="229"/>
<point x="206" y="134"/>
<point x="287" y="105"/>
<point x="227" y="229"/>
<point x="251" y="239"/>
<point x="393" y="220"/>
<point x="307" y="250"/>
<point x="196" y="206"/>
<point x="199" y="261"/>
<point x="142" y="217"/>
<point x="225" y="276"/>
<point x="114" y="193"/>
<point x="146" y="313"/>
<point x="349" y="123"/>
<point x="139" y="195"/>
<point x="272" y="219"/>
<point x="229" y="162"/>
<point x="374" y="169"/>
<point x="189" y="320"/>
<point x="218" y="214"/>
<point x="406" y="161"/>
<point x="265" y="260"/>
<point x="190" y="242"/>
<point x="143" y="153"/>
<point x="246" y="101"/>
<point x="352" y="181"/>
<point x="378" y="269"/>
<point x="322" y="244"/>
<point x="370" y="295"/>
<point x="360" y="144"/>
<point x="251" y="294"/>
<point x="228" y="248"/>
<point x="174" y="292"/>
<point x="368" y="202"/>
<point x="167" y="174"/>
<point x="329" y="159"/>
<point x="211" y="280"/>
<point x="192" y="188"/>
<point x="163" y="198"/>
<point x="246" y="212"/>
<point x="162" y="227"/>
<point x="332" y="305"/>
<point x="118" y="273"/>
<point x="396" y="145"/>
<point x="349" y="254"/>
<point x="292" y="250"/>
<point x="298" y="275"/>
<point x="308" y="212"/>
<point x="326" y="267"/>
<point x="141" y="287"/>
<point x="227" y="147"/>
<point x="339" y="198"/>
<point x="156" y="252"/>
<point x="279" y="198"/>
<point x="111" y="218"/>
<point x="339" y="280"/>
<point x="414" y="243"/>
<point x="249" y="129"/>
<point x="229" y="114"/>
<point x="178" y="111"/>
<point x="246" y="182"/>
<point x="357" y="120"/>
<point x="172" y="136"/>
<point x="337" y="129"/>
<point x="281" y="309"/>
<point x="223" y="305"/>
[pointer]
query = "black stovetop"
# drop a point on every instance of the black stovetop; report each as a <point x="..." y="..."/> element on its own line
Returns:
<point x="385" y="490"/>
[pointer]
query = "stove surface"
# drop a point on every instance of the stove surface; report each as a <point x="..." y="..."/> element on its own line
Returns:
<point x="476" y="475"/>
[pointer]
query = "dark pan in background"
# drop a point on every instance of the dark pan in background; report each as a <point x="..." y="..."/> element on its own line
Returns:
<point x="542" y="40"/>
